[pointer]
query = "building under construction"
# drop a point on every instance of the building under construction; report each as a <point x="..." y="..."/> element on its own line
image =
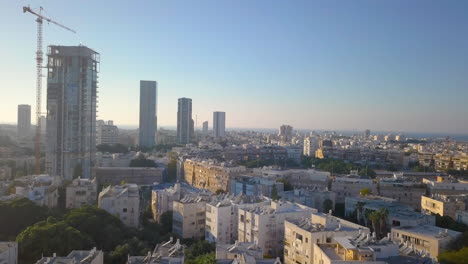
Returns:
<point x="72" y="82"/>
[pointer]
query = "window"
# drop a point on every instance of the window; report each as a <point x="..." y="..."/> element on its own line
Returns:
<point x="124" y="210"/>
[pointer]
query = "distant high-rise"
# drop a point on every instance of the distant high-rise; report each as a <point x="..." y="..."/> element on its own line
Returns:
<point x="285" y="133"/>
<point x="205" y="127"/>
<point x="184" y="121"/>
<point x="24" y="120"/>
<point x="219" y="124"/>
<point x="148" y="119"/>
<point x="367" y="133"/>
<point x="71" y="110"/>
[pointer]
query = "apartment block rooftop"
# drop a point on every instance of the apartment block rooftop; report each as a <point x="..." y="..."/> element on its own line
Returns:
<point x="279" y="207"/>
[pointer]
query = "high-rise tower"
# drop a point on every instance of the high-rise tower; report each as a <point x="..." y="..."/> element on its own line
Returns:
<point x="148" y="97"/>
<point x="219" y="124"/>
<point x="184" y="121"/>
<point x="24" y="120"/>
<point x="72" y="80"/>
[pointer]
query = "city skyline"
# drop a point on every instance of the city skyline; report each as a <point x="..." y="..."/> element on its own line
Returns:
<point x="361" y="69"/>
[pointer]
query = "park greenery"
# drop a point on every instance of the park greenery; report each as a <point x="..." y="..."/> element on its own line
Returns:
<point x="337" y="166"/>
<point x="42" y="231"/>
<point x="458" y="249"/>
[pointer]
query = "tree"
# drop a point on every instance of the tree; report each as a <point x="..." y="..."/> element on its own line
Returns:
<point x="77" y="171"/>
<point x="141" y="161"/>
<point x="327" y="205"/>
<point x="454" y="257"/>
<point x="274" y="193"/>
<point x="359" y="208"/>
<point x="383" y="214"/>
<point x="50" y="237"/>
<point x="106" y="230"/>
<point x="172" y="171"/>
<point x="365" y="192"/>
<point x="367" y="172"/>
<point x="166" y="222"/>
<point x="374" y="217"/>
<point x="209" y="258"/>
<point x="286" y="185"/>
<point x="18" y="214"/>
<point x="201" y="247"/>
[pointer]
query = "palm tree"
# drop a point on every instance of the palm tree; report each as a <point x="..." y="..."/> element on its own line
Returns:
<point x="383" y="212"/>
<point x="375" y="219"/>
<point x="359" y="208"/>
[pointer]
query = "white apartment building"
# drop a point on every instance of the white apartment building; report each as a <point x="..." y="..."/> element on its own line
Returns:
<point x="222" y="216"/>
<point x="242" y="253"/>
<point x="8" y="252"/>
<point x="163" y="196"/>
<point x="426" y="239"/>
<point x="301" y="234"/>
<point x="92" y="256"/>
<point x="107" y="133"/>
<point x="188" y="216"/>
<point x="114" y="159"/>
<point x="169" y="252"/>
<point x="311" y="144"/>
<point x="364" y="250"/>
<point x="264" y="225"/>
<point x="81" y="192"/>
<point x="444" y="205"/>
<point x="40" y="189"/>
<point x="122" y="201"/>
<point x="350" y="186"/>
<point x="446" y="186"/>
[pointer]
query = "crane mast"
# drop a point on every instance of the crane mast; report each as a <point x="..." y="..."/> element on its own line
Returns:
<point x="39" y="60"/>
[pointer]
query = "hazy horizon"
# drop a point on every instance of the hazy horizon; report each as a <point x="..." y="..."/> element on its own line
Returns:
<point x="328" y="65"/>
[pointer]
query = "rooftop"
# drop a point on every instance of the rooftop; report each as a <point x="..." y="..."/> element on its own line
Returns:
<point x="429" y="231"/>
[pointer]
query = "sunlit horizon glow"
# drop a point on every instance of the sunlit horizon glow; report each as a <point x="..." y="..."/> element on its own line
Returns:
<point x="338" y="65"/>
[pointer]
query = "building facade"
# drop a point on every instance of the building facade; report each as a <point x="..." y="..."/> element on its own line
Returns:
<point x="107" y="133"/>
<point x="148" y="117"/>
<point x="444" y="205"/>
<point x="264" y="225"/>
<point x="71" y="110"/>
<point x="24" y="120"/>
<point x="189" y="216"/>
<point x="185" y="127"/>
<point x="81" y="192"/>
<point x="9" y="252"/>
<point x="219" y="124"/>
<point x="122" y="201"/>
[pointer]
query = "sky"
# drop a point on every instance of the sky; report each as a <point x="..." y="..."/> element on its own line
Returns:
<point x="345" y="65"/>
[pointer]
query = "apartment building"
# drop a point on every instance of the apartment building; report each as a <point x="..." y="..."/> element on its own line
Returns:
<point x="460" y="162"/>
<point x="249" y="185"/>
<point x="163" y="195"/>
<point x="301" y="234"/>
<point x="81" y="192"/>
<point x="364" y="249"/>
<point x="92" y="256"/>
<point x="114" y="159"/>
<point x="297" y="178"/>
<point x="403" y="190"/>
<point x="189" y="216"/>
<point x="446" y="185"/>
<point x="122" y="201"/>
<point x="40" y="189"/>
<point x="136" y="175"/>
<point x="8" y="252"/>
<point x="210" y="175"/>
<point x="242" y="253"/>
<point x="351" y="186"/>
<point x="264" y="225"/>
<point x="317" y="197"/>
<point x="169" y="252"/>
<point x="442" y="161"/>
<point x="462" y="217"/>
<point x="444" y="205"/>
<point x="398" y="214"/>
<point x="222" y="216"/>
<point x="428" y="239"/>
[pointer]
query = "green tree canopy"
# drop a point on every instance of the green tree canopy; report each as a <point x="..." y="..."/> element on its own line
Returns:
<point x="365" y="192"/>
<point x="106" y="230"/>
<point x="454" y="257"/>
<point x="201" y="247"/>
<point x="141" y="161"/>
<point x="18" y="214"/>
<point x="50" y="237"/>
<point x="286" y="185"/>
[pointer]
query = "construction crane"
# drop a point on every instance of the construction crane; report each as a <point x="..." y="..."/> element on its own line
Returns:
<point x="39" y="59"/>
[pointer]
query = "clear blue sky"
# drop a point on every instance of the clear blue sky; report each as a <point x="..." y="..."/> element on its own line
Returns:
<point x="385" y="65"/>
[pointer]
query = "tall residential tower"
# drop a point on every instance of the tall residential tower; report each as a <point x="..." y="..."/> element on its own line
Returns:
<point x="148" y="119"/>
<point x="184" y="121"/>
<point x="24" y="120"/>
<point x="71" y="110"/>
<point x="219" y="124"/>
